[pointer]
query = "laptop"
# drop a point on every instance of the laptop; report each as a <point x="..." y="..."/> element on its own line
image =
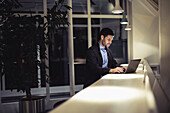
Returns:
<point x="133" y="65"/>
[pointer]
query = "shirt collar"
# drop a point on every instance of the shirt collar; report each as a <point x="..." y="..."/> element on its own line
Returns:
<point x="101" y="47"/>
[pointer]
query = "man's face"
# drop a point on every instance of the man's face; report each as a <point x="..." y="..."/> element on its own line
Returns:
<point x="106" y="41"/>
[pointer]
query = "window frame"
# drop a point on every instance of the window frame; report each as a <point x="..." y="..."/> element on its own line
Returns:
<point x="47" y="91"/>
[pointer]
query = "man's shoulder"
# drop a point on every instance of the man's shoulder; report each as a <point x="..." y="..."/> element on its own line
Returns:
<point x="94" y="48"/>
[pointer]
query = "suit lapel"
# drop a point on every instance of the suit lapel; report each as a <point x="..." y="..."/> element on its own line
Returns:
<point x="99" y="55"/>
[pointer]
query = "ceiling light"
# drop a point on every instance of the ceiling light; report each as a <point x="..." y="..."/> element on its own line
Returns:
<point x="117" y="9"/>
<point x="128" y="27"/>
<point x="124" y="20"/>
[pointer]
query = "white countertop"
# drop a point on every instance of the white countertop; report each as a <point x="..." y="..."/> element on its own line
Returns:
<point x="113" y="93"/>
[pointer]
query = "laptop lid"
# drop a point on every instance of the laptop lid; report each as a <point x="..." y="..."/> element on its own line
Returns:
<point x="133" y="66"/>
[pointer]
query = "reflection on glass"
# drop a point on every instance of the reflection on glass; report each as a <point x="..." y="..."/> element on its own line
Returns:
<point x="80" y="22"/>
<point x="80" y="42"/>
<point x="80" y="38"/>
<point x="58" y="60"/>
<point x="35" y="6"/>
<point x="30" y="6"/>
<point x="95" y="35"/>
<point x="102" y="6"/>
<point x="80" y="47"/>
<point x="79" y="6"/>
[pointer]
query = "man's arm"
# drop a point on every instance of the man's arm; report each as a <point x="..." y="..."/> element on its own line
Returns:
<point x="94" y="62"/>
<point x="113" y="65"/>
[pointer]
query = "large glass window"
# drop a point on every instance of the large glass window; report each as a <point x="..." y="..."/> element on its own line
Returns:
<point x="80" y="37"/>
<point x="57" y="51"/>
<point x="79" y="6"/>
<point x="83" y="33"/>
<point x="30" y="6"/>
<point x="58" y="58"/>
<point x="104" y="6"/>
<point x="22" y="38"/>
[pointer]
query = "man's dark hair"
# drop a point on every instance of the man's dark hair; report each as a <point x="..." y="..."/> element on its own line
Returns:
<point x="105" y="32"/>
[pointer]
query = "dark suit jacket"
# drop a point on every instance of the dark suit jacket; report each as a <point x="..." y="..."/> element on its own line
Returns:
<point x="94" y="63"/>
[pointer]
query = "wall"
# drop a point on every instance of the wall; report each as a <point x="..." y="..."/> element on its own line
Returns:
<point x="145" y="34"/>
<point x="164" y="45"/>
<point x="151" y="36"/>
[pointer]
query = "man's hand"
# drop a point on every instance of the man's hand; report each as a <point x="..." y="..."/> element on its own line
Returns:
<point x="117" y="70"/>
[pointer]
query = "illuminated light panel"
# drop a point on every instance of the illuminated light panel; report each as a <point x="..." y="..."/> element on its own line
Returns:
<point x="123" y="76"/>
<point x="140" y="68"/>
<point x="109" y="94"/>
<point x="125" y="65"/>
<point x="128" y="27"/>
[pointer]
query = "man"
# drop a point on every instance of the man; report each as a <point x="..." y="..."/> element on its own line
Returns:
<point x="99" y="59"/>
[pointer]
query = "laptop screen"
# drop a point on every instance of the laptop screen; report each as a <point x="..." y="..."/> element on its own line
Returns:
<point x="133" y="65"/>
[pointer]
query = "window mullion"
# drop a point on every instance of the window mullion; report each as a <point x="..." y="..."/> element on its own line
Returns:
<point x="89" y="24"/>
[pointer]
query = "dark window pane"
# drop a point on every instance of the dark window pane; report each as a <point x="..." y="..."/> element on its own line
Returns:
<point x="79" y="6"/>
<point x="58" y="58"/>
<point x="80" y="42"/>
<point x="79" y="21"/>
<point x="95" y="21"/>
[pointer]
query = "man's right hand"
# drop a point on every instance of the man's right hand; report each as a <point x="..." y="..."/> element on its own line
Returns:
<point x="116" y="70"/>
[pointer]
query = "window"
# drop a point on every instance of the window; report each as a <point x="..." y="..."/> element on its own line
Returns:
<point x="87" y="24"/>
<point x="58" y="59"/>
<point x="82" y="29"/>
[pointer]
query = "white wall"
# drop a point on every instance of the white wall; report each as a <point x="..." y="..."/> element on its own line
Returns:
<point x="165" y="45"/>
<point x="151" y="36"/>
<point x="145" y="34"/>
